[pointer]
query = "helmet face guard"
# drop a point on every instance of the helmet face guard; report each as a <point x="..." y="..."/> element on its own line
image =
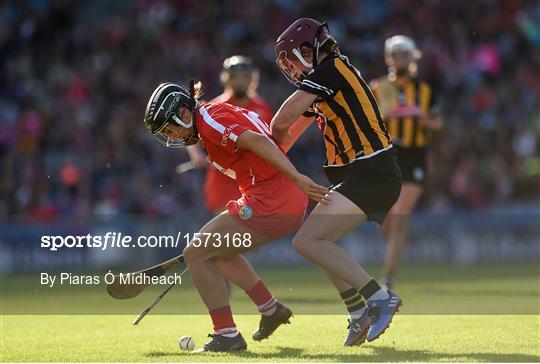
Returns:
<point x="400" y="43"/>
<point x="175" y="142"/>
<point x="291" y="72"/>
<point x="238" y="63"/>
<point x="303" y="32"/>
<point x="394" y="49"/>
<point x="164" y="108"/>
<point x="240" y="75"/>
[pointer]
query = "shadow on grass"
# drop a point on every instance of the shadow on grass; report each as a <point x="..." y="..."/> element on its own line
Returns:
<point x="481" y="292"/>
<point x="292" y="299"/>
<point x="377" y="354"/>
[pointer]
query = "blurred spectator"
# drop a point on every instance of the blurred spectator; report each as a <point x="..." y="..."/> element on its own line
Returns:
<point x="75" y="78"/>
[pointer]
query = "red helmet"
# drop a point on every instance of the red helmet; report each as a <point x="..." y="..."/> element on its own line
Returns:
<point x="303" y="32"/>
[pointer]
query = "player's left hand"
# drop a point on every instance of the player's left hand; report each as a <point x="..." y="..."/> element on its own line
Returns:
<point x="430" y="121"/>
<point x="314" y="191"/>
<point x="424" y="119"/>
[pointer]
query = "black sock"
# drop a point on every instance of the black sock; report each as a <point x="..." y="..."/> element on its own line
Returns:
<point x="352" y="299"/>
<point x="370" y="289"/>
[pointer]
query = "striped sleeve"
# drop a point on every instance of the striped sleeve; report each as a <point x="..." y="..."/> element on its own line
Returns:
<point x="321" y="81"/>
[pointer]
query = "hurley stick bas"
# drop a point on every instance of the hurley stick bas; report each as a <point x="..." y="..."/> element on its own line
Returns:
<point x="121" y="291"/>
<point x="155" y="302"/>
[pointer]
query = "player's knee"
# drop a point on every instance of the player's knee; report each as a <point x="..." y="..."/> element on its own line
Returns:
<point x="192" y="255"/>
<point x="301" y="244"/>
<point x="187" y="253"/>
<point x="399" y="223"/>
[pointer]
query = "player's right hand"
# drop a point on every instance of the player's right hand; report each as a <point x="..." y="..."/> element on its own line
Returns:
<point x="403" y="111"/>
<point x="200" y="162"/>
<point x="314" y="191"/>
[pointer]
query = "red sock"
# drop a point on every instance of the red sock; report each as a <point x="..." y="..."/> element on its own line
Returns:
<point x="223" y="320"/>
<point x="261" y="296"/>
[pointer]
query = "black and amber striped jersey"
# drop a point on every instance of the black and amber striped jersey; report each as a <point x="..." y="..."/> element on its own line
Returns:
<point x="401" y="106"/>
<point x="354" y="128"/>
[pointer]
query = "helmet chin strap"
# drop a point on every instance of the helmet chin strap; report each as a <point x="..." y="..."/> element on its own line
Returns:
<point x="298" y="55"/>
<point x="181" y="122"/>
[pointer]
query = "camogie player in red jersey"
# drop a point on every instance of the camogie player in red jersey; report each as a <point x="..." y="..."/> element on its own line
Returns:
<point x="272" y="205"/>
<point x="240" y="80"/>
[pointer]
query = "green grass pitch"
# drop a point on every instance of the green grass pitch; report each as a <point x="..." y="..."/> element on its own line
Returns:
<point x="485" y="313"/>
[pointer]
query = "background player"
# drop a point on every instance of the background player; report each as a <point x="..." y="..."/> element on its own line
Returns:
<point x="272" y="205"/>
<point x="360" y="163"/>
<point x="409" y="108"/>
<point x="240" y="80"/>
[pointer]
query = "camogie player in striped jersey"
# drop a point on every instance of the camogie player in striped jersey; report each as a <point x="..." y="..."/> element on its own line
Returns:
<point x="411" y="111"/>
<point x="360" y="163"/>
<point x="272" y="205"/>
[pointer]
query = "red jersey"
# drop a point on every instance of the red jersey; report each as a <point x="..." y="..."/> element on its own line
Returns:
<point x="219" y="126"/>
<point x="255" y="104"/>
<point x="219" y="189"/>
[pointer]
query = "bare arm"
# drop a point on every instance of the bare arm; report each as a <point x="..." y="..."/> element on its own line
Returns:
<point x="289" y="112"/>
<point x="295" y="131"/>
<point x="264" y="148"/>
<point x="432" y="122"/>
<point x="197" y="156"/>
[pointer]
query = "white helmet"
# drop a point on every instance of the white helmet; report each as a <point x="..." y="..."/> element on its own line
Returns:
<point x="401" y="43"/>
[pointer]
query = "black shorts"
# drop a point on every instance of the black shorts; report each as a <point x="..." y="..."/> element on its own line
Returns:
<point x="412" y="162"/>
<point x="373" y="184"/>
